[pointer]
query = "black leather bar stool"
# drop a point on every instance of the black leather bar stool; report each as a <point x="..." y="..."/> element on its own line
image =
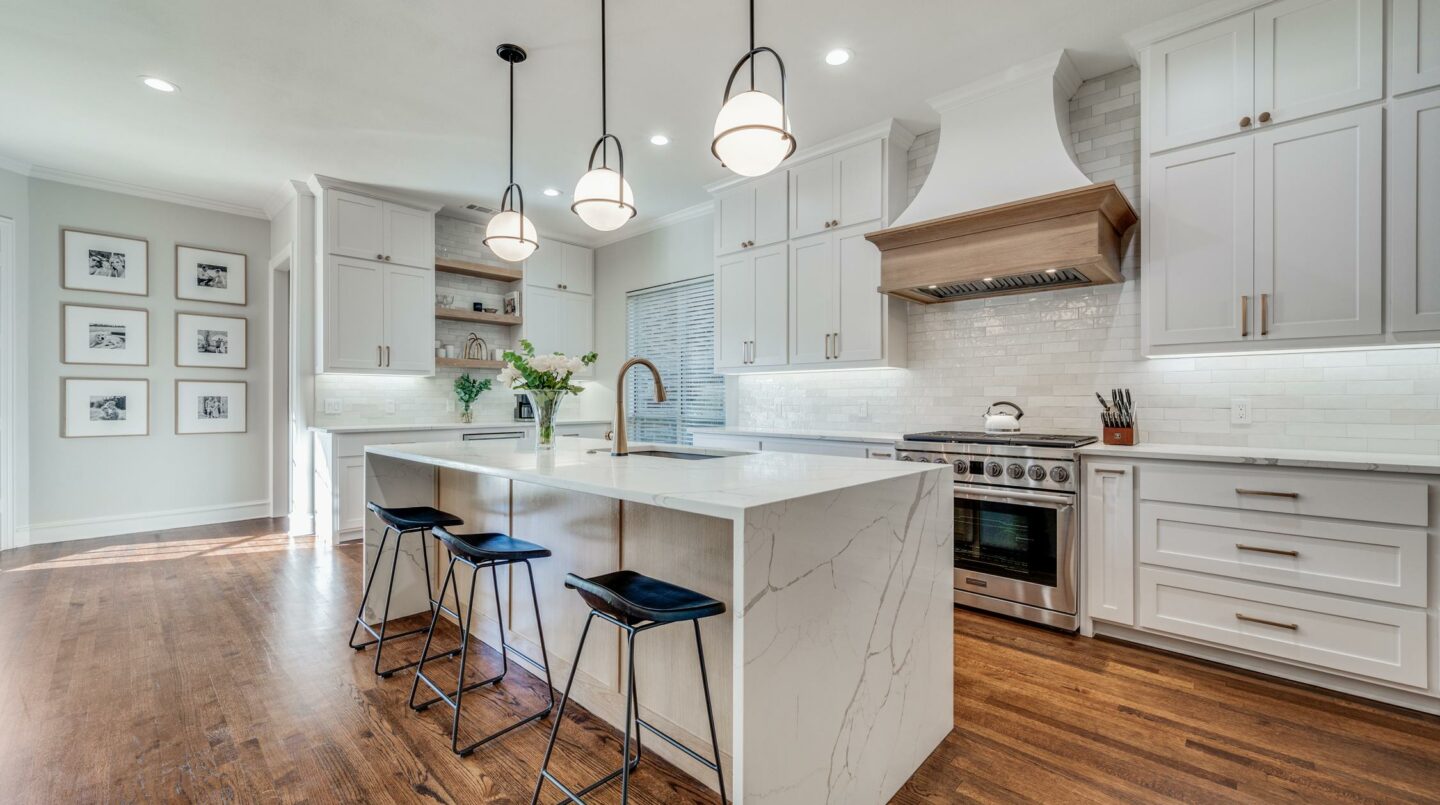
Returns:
<point x="635" y="603"/>
<point x="407" y="520"/>
<point x="479" y="551"/>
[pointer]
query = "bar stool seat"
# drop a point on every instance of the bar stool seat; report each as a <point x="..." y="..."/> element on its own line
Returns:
<point x="413" y="518"/>
<point x="633" y="598"/>
<point x="491" y="547"/>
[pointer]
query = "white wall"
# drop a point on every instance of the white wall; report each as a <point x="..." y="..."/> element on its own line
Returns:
<point x="1051" y="351"/>
<point x="96" y="486"/>
<point x="14" y="362"/>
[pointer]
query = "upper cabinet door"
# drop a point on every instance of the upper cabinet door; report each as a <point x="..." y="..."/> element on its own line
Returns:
<point x="812" y="197"/>
<point x="409" y="236"/>
<point x="579" y="270"/>
<point x="1414" y="163"/>
<point x="1199" y="271"/>
<point x="357" y="226"/>
<point x="1318" y="226"/>
<point x="577" y="319"/>
<point x="1202" y="84"/>
<point x="1414" y="45"/>
<point x="859" y="184"/>
<point x="355" y="315"/>
<point x="736" y="211"/>
<point x="409" y="319"/>
<point x="734" y="311"/>
<point x="544" y="325"/>
<point x="772" y="209"/>
<point x="1315" y="56"/>
<point x="812" y="299"/>
<point x="545" y="267"/>
<point x="859" y="331"/>
<point x="771" y="338"/>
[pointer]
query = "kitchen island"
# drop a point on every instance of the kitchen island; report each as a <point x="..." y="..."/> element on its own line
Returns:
<point x="832" y="671"/>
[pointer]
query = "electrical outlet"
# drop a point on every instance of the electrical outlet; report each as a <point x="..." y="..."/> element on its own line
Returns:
<point x="388" y="406"/>
<point x="332" y="407"/>
<point x="1240" y="411"/>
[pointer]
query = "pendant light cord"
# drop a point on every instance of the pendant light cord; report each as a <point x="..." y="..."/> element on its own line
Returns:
<point x="604" y="99"/>
<point x="512" y="122"/>
<point x="752" y="44"/>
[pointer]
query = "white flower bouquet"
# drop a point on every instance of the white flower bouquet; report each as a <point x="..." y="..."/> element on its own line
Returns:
<point x="545" y="379"/>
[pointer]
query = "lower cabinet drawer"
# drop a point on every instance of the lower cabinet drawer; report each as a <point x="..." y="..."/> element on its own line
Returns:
<point x="1366" y="497"/>
<point x="1378" y="641"/>
<point x="1382" y="563"/>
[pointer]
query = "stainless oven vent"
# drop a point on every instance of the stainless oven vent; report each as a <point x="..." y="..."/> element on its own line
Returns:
<point x="1019" y="283"/>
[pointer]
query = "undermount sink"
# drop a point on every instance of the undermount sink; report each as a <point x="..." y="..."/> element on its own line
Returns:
<point x="672" y="454"/>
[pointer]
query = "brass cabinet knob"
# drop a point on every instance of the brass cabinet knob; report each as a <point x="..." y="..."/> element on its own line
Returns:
<point x="1265" y="117"/>
<point x="1245" y="122"/>
<point x="834" y="223"/>
<point x="379" y="257"/>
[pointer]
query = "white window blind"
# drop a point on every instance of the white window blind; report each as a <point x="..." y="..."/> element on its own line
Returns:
<point x="674" y="326"/>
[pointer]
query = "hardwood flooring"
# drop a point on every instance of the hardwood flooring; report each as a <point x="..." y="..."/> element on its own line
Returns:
<point x="210" y="665"/>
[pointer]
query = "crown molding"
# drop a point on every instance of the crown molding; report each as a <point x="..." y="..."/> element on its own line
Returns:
<point x="652" y="224"/>
<point x="1188" y="20"/>
<point x="126" y="188"/>
<point x="319" y="183"/>
<point x="15" y="165"/>
<point x="889" y="129"/>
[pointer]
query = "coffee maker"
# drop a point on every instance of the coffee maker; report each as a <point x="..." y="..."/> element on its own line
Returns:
<point x="523" y="409"/>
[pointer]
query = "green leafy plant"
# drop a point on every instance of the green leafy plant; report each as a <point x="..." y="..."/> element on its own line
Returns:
<point x="468" y="389"/>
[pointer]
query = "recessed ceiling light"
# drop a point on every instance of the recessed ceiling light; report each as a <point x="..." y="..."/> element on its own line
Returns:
<point x="989" y="279"/>
<point x="659" y="139"/>
<point x="837" y="57"/>
<point x="934" y="286"/>
<point x="1052" y="271"/>
<point x="158" y="84"/>
<point x="550" y="191"/>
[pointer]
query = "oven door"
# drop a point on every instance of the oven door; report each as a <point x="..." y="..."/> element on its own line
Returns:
<point x="1017" y="545"/>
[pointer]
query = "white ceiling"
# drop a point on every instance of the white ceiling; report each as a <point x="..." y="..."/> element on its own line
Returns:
<point x="409" y="93"/>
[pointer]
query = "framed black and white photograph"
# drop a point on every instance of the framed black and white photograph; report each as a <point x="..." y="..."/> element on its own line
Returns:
<point x="209" y="275"/>
<point x="103" y="406"/>
<point x="96" y="261"/>
<point x="213" y="342"/>
<point x="107" y="336"/>
<point x="210" y="406"/>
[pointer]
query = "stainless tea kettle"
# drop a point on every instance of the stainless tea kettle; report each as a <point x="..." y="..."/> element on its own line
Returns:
<point x="1001" y="421"/>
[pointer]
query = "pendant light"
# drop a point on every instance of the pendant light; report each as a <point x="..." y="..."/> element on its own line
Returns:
<point x="510" y="234"/>
<point x="602" y="197"/>
<point x="752" y="131"/>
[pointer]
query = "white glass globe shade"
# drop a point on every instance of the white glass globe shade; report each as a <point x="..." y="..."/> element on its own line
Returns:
<point x="511" y="236"/>
<point x="596" y="200"/>
<point x="751" y="151"/>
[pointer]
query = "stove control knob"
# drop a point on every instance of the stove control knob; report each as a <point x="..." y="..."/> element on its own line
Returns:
<point x="1015" y="471"/>
<point x="1036" y="472"/>
<point x="1059" y="475"/>
<point x="906" y="458"/>
<point x="941" y="460"/>
<point x="961" y="468"/>
<point x="993" y="469"/>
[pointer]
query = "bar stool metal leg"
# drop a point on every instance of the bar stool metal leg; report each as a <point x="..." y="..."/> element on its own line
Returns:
<point x="430" y="635"/>
<point x="709" y="710"/>
<point x="364" y="597"/>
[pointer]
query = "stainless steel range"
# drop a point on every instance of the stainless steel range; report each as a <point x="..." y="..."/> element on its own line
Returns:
<point x="1017" y="528"/>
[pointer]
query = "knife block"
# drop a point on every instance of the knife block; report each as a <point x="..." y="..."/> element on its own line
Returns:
<point x="1121" y="436"/>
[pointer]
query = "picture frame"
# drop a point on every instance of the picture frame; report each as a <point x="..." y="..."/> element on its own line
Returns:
<point x="104" y="336"/>
<point x="104" y="262"/>
<point x="210" y="275"/>
<point x="211" y="342"/>
<point x="104" y="406"/>
<point x="211" y="406"/>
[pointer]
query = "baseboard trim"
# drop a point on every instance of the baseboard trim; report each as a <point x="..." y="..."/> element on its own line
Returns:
<point x="89" y="528"/>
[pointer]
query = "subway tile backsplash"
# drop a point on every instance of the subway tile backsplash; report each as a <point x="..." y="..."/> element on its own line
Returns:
<point x="1050" y="352"/>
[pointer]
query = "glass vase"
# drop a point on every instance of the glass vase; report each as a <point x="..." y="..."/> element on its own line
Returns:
<point x="545" y="402"/>
<point x="466" y="415"/>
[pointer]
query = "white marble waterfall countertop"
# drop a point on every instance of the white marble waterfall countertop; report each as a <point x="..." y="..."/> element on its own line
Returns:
<point x="1278" y="457"/>
<point x="719" y="487"/>
<point x="503" y="424"/>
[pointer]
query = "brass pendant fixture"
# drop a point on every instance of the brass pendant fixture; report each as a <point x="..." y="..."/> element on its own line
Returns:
<point x="603" y="199"/>
<point x="752" y="131"/>
<point x="510" y="235"/>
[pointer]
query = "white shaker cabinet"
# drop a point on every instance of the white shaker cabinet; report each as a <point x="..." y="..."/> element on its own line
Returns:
<point x="1316" y="56"/>
<point x="409" y="236"/>
<point x="373" y="229"/>
<point x="1318" y="229"/>
<point x="840" y="190"/>
<point x="1202" y="84"/>
<point x="812" y="299"/>
<point x="752" y="215"/>
<point x="562" y="267"/>
<point x="1414" y="45"/>
<point x="409" y="344"/>
<point x="751" y="293"/>
<point x="1109" y="541"/>
<point x="837" y="317"/>
<point x="560" y="321"/>
<point x="1414" y="164"/>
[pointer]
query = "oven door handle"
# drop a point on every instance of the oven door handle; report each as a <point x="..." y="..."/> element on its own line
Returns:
<point x="1014" y="496"/>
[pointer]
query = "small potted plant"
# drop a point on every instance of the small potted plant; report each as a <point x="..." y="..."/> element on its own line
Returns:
<point x="468" y="389"/>
<point x="545" y="379"/>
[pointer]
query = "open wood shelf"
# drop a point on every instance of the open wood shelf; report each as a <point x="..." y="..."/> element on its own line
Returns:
<point x="462" y="363"/>
<point x="460" y="314"/>
<point x="480" y="270"/>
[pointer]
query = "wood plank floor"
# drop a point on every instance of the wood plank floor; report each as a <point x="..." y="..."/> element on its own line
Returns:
<point x="210" y="665"/>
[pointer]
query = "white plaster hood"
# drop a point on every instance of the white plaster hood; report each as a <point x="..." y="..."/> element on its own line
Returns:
<point x="1005" y="208"/>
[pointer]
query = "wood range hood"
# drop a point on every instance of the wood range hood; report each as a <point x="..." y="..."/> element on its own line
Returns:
<point x="1061" y="240"/>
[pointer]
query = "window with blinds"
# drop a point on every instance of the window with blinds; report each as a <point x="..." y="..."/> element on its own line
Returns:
<point x="674" y="326"/>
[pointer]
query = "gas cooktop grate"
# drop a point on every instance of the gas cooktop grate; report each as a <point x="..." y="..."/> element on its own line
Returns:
<point x="1020" y="282"/>
<point x="1018" y="439"/>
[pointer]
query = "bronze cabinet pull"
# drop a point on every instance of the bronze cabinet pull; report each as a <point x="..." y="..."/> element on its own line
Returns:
<point x="1258" y="549"/>
<point x="1294" y="627"/>
<point x="1264" y="314"/>
<point x="379" y="356"/>
<point x="387" y="354"/>
<point x="1244" y="316"/>
<point x="1264" y="117"/>
<point x="1245" y="122"/>
<point x="1267" y="494"/>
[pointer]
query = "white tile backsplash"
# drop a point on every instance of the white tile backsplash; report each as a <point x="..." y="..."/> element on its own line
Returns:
<point x="1050" y="352"/>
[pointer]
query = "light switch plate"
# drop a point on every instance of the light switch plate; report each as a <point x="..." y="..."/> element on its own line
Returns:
<point x="388" y="406"/>
<point x="1240" y="411"/>
<point x="332" y="407"/>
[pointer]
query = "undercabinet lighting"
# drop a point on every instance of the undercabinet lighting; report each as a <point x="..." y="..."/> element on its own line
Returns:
<point x="551" y="192"/>
<point x="158" y="84"/>
<point x="659" y="139"/>
<point x="837" y="57"/>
